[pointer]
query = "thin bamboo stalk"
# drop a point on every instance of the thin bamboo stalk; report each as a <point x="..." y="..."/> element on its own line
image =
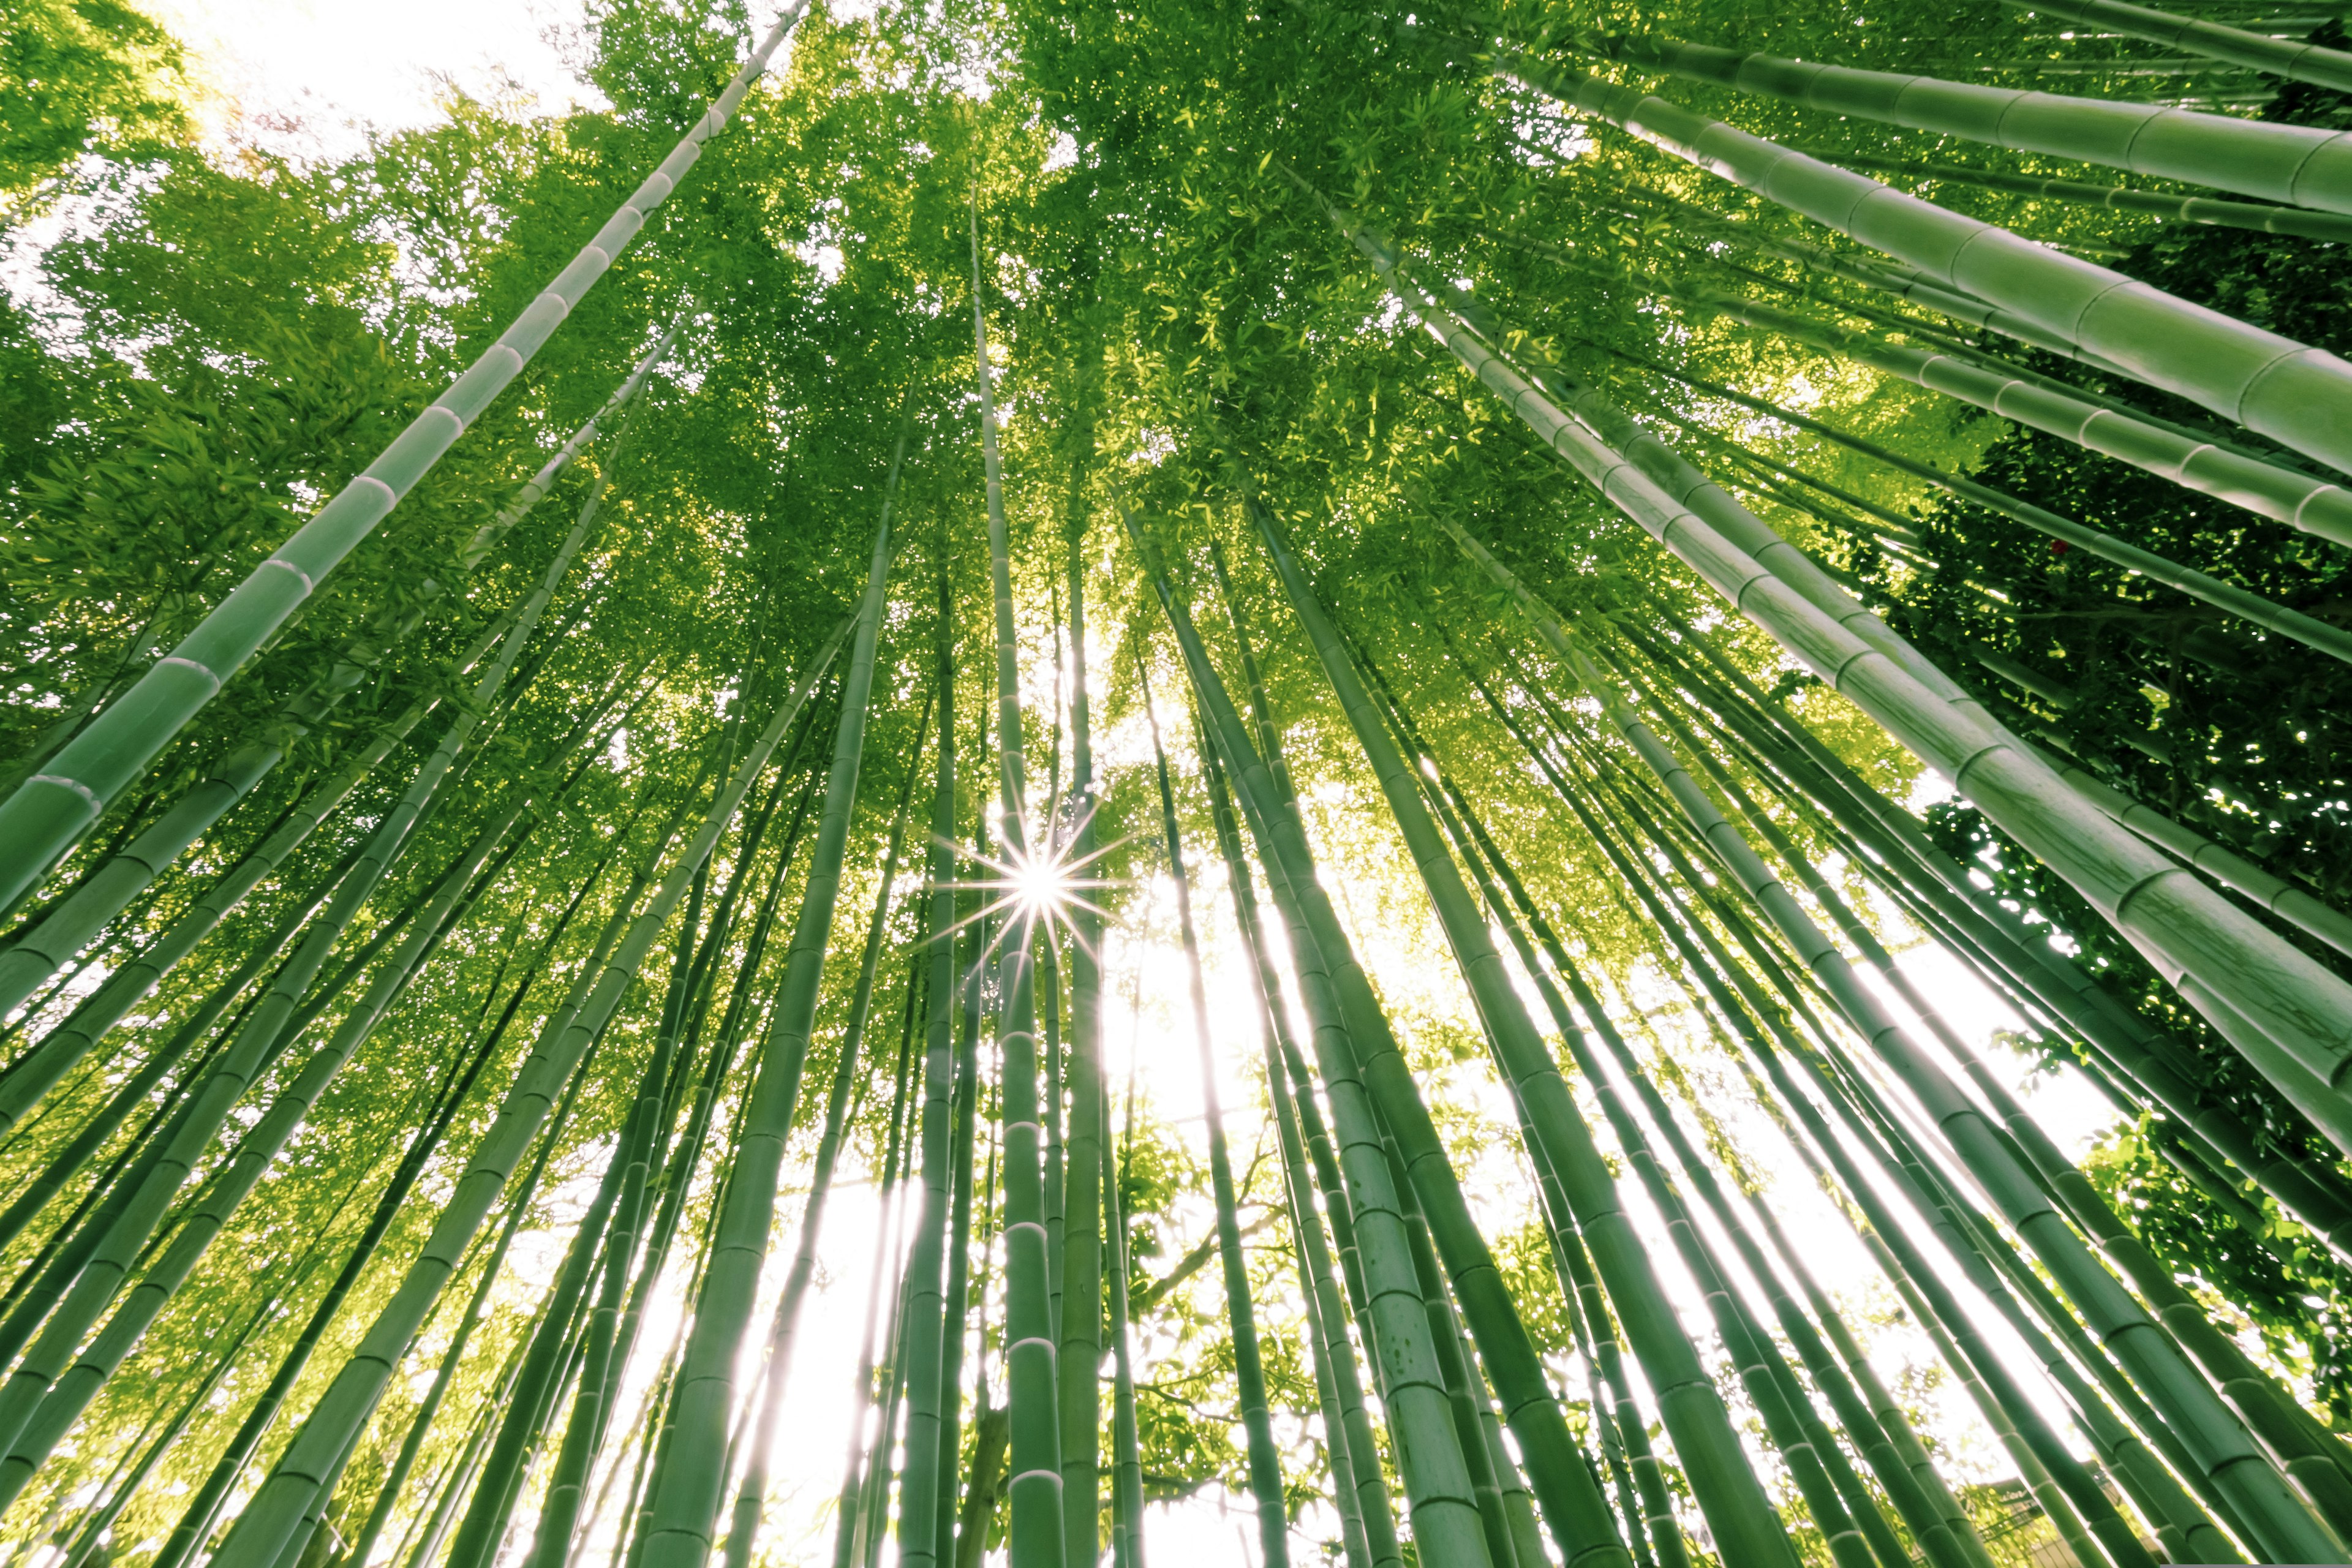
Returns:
<point x="751" y="1494"/>
<point x="1035" y="1534"/>
<point x="686" y="1486"/>
<point x="1369" y="1521"/>
<point x="2222" y="1447"/>
<point x="1081" y="1279"/>
<point x="924" y="1354"/>
<point x="1241" y="1317"/>
<point x="2215" y="210"/>
<point x="1436" y="1480"/>
<point x="1578" y="1515"/>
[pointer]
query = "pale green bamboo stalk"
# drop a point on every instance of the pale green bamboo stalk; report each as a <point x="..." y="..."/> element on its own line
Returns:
<point x="2267" y="383"/>
<point x="2297" y="165"/>
<point x="866" y="1480"/>
<point x="2315" y="506"/>
<point x="73" y="1387"/>
<point x="1034" y="1534"/>
<point x="1578" y="1515"/>
<point x="687" y="1484"/>
<point x="278" y="1506"/>
<point x="53" y="808"/>
<point x="2279" y="57"/>
<point x="1249" y="1369"/>
<point x="1869" y="1125"/>
<point x="1127" y="1481"/>
<point x="1081" y="1345"/>
<point x="420" y="1425"/>
<point x="2314" y="1459"/>
<point x="2304" y="1449"/>
<point x="91" y="1538"/>
<point x="1901" y="282"/>
<point x="1444" y="1516"/>
<point x="751" y="1491"/>
<point x="2215" y="210"/>
<point x="1455" y="1364"/>
<point x="925" y="1310"/>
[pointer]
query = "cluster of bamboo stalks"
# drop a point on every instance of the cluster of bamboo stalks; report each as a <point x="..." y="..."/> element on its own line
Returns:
<point x="1445" y="1419"/>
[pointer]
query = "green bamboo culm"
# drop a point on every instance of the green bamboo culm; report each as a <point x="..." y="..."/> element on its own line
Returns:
<point x="866" y="1478"/>
<point x="1082" y="1195"/>
<point x="1832" y="1488"/>
<point x="1367" y="1514"/>
<point x="1127" y="1475"/>
<point x="2299" y="165"/>
<point x="685" y="1489"/>
<point x="2280" y="389"/>
<point x="2304" y="61"/>
<point x="751" y="1492"/>
<point x="276" y="1508"/>
<point x="918" y="1484"/>
<point x="1035" y="1534"/>
<point x="49" y="811"/>
<point x="2217" y="211"/>
<point x="1249" y="1369"/>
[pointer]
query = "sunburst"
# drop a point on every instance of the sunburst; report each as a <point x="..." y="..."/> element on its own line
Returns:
<point x="1038" y="889"/>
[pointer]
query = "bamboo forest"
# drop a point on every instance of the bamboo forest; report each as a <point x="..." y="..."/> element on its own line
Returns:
<point x="1040" y="783"/>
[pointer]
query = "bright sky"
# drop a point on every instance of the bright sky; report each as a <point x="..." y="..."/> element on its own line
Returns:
<point x="337" y="67"/>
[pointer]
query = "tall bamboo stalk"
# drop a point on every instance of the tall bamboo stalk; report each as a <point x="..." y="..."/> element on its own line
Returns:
<point x="1577" y="1513"/>
<point x="924" y="1354"/>
<point x="751" y="1492"/>
<point x="1240" y="1316"/>
<point x="1356" y="1449"/>
<point x="687" y="1484"/>
<point x="1035" y="1532"/>
<point x="1445" y="1515"/>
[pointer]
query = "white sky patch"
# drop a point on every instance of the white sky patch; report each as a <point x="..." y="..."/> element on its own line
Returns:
<point x="311" y="77"/>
